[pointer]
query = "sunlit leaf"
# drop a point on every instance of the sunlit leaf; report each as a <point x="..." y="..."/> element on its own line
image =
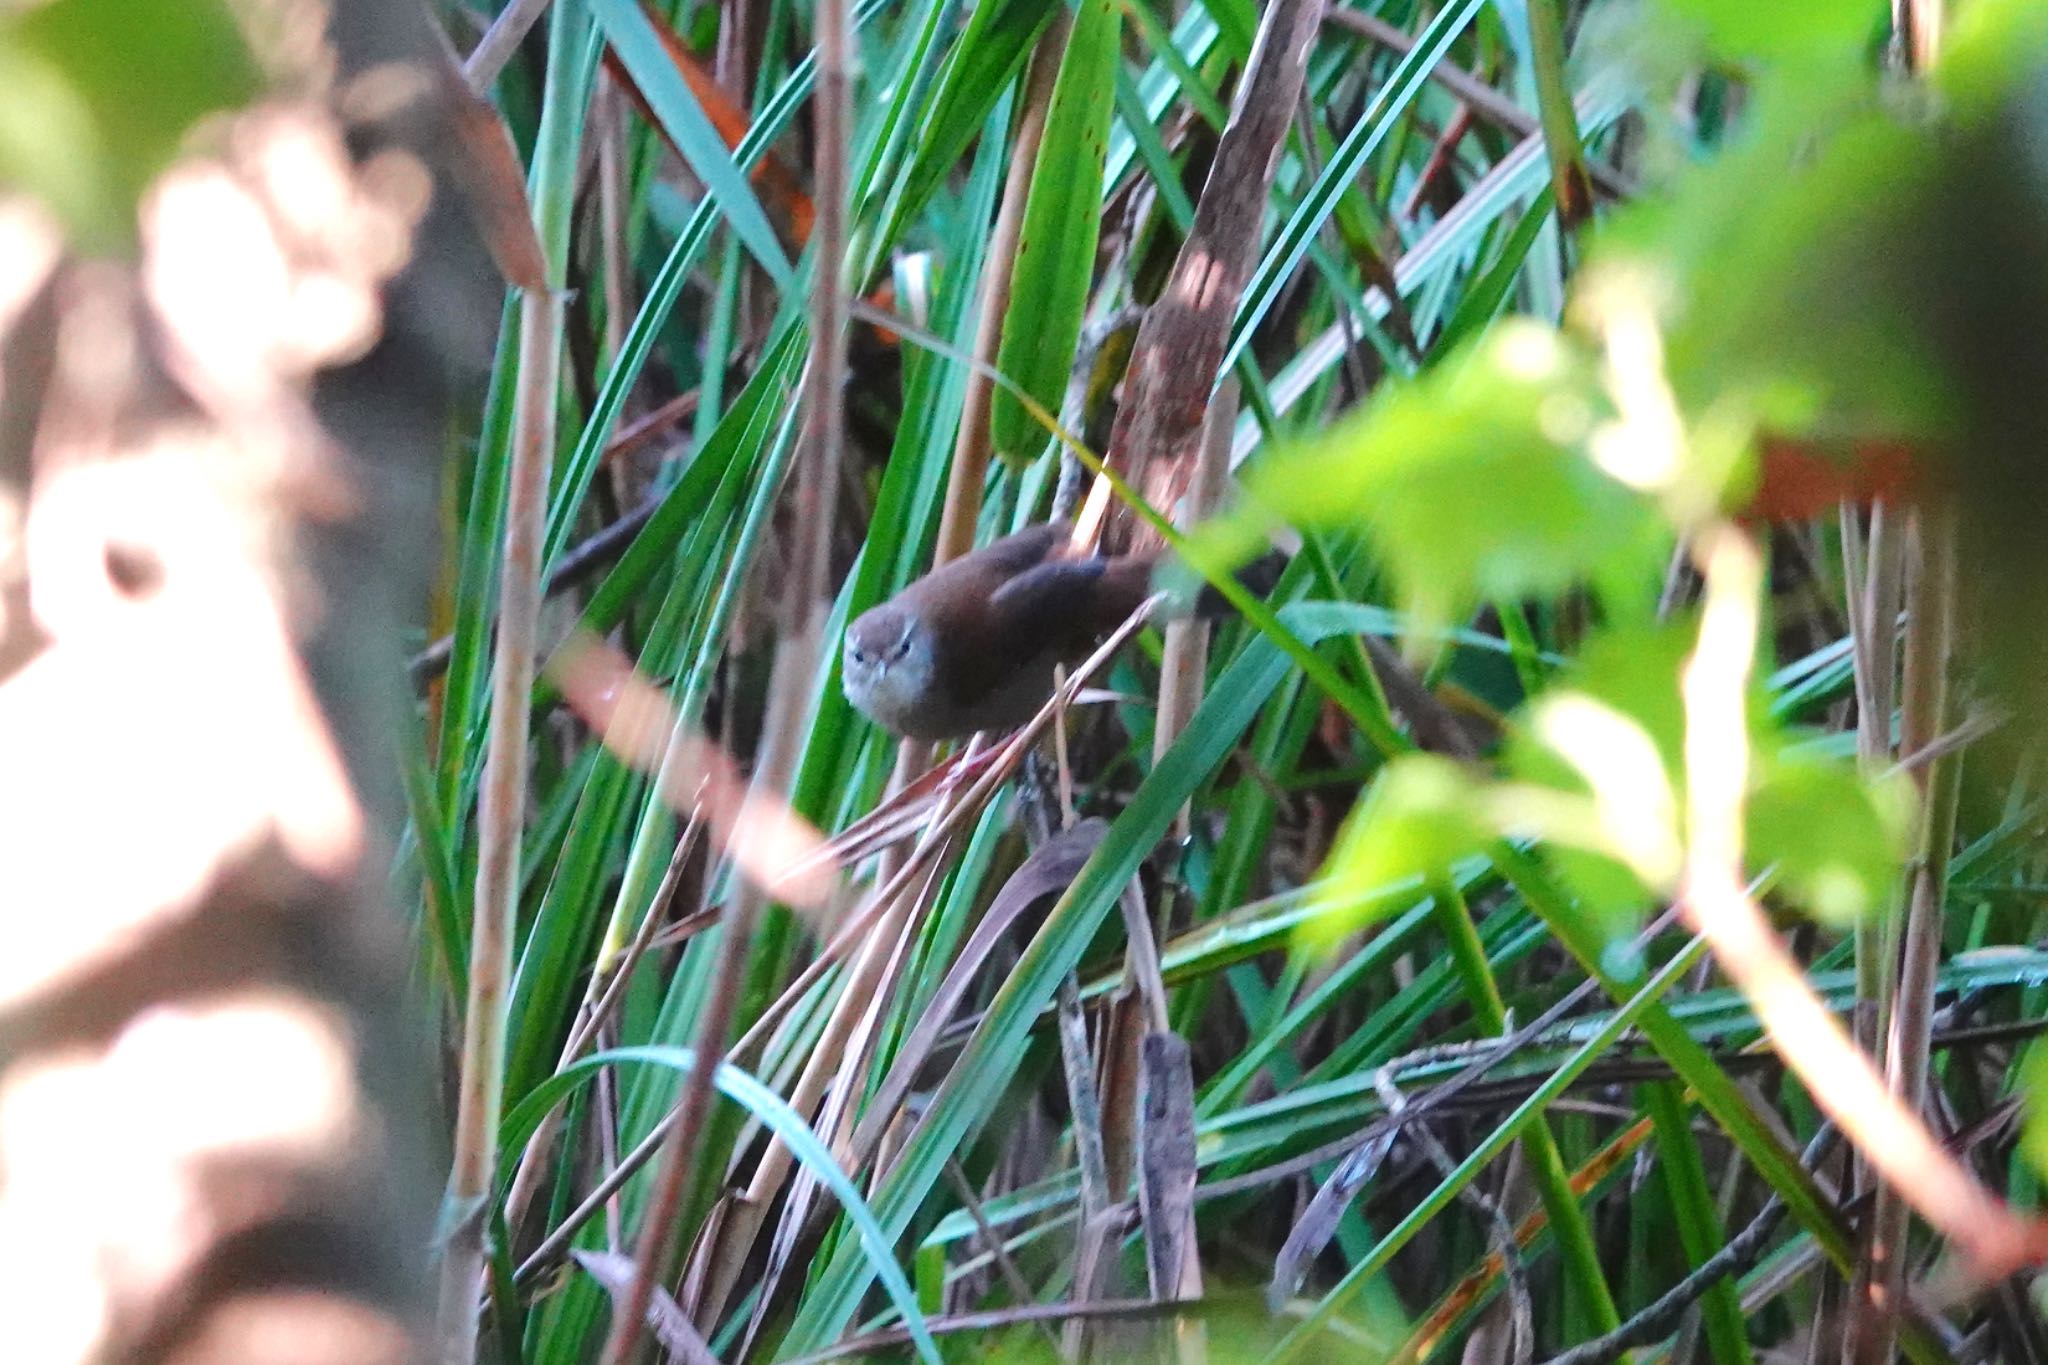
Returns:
<point x="1422" y="815"/>
<point x="1474" y="479"/>
<point x="1764" y="28"/>
<point x="1784" y="275"/>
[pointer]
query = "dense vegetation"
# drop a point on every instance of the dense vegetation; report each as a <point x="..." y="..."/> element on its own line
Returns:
<point x="1591" y="906"/>
<point x="1563" y="334"/>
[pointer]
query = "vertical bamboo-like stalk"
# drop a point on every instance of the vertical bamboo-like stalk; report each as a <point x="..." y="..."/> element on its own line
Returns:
<point x="1873" y="610"/>
<point x="1186" y="656"/>
<point x="1874" y="615"/>
<point x="1930" y="643"/>
<point x="1894" y="1018"/>
<point x="501" y="810"/>
<point x="1568" y="179"/>
<point x="501" y="814"/>
<point x="817" y="485"/>
<point x="971" y="443"/>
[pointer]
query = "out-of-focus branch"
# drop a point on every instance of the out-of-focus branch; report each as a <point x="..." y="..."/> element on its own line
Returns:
<point x="212" y="1117"/>
<point x="1841" y="1079"/>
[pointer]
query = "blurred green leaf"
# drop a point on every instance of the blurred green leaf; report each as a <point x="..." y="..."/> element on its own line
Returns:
<point x="1613" y="731"/>
<point x="1786" y="274"/>
<point x="1838" y="841"/>
<point x="99" y="94"/>
<point x="1474" y="478"/>
<point x="1989" y="49"/>
<point x="2034" y="1087"/>
<point x="1635" y="671"/>
<point x="1422" y="815"/>
<point x="1766" y="28"/>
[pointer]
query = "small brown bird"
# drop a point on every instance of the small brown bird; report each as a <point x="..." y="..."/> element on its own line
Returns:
<point x="973" y="644"/>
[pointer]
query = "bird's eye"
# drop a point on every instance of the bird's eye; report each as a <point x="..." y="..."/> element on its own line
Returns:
<point x="857" y="654"/>
<point x="902" y="648"/>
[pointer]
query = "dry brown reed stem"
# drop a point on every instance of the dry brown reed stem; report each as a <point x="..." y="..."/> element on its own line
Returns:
<point x="1180" y="346"/>
<point x="1156" y="441"/>
<point x="679" y="1146"/>
<point x="971" y="443"/>
<point x="500" y="41"/>
<point x="1873" y="610"/>
<point x="877" y="949"/>
<point x="1930" y="644"/>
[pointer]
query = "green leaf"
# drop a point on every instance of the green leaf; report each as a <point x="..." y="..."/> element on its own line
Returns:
<point x="1422" y="814"/>
<point x="1475" y="479"/>
<point x="1614" y="732"/>
<point x="1062" y="221"/>
<point x="775" y="1114"/>
<point x="1838" y="841"/>
<point x="1766" y="28"/>
<point x="1785" y="274"/>
<point x="99" y="96"/>
<point x="632" y="36"/>
<point x="2034" y="1088"/>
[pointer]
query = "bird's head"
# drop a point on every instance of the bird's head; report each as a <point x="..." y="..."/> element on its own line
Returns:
<point x="887" y="666"/>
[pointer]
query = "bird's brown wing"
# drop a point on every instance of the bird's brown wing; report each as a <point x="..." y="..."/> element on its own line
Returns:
<point x="1061" y="607"/>
<point x="1016" y="604"/>
<point x="996" y="627"/>
<point x="979" y="573"/>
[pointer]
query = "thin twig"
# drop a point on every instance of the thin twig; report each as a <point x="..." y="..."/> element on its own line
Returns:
<point x="1497" y="108"/>
<point x="586" y="557"/>
<point x="500" y="41"/>
<point x="1369" y="1148"/>
<point x="1522" y="1315"/>
<point x="1663" y="1313"/>
<point x="993" y="1240"/>
<point x="1840" y="1078"/>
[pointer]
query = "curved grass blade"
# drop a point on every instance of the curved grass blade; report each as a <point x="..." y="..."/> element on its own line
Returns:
<point x="633" y="37"/>
<point x="765" y="1105"/>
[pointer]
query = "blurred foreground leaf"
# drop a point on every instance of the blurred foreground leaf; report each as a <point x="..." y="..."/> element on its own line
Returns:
<point x="1475" y="479"/>
<point x="100" y="93"/>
